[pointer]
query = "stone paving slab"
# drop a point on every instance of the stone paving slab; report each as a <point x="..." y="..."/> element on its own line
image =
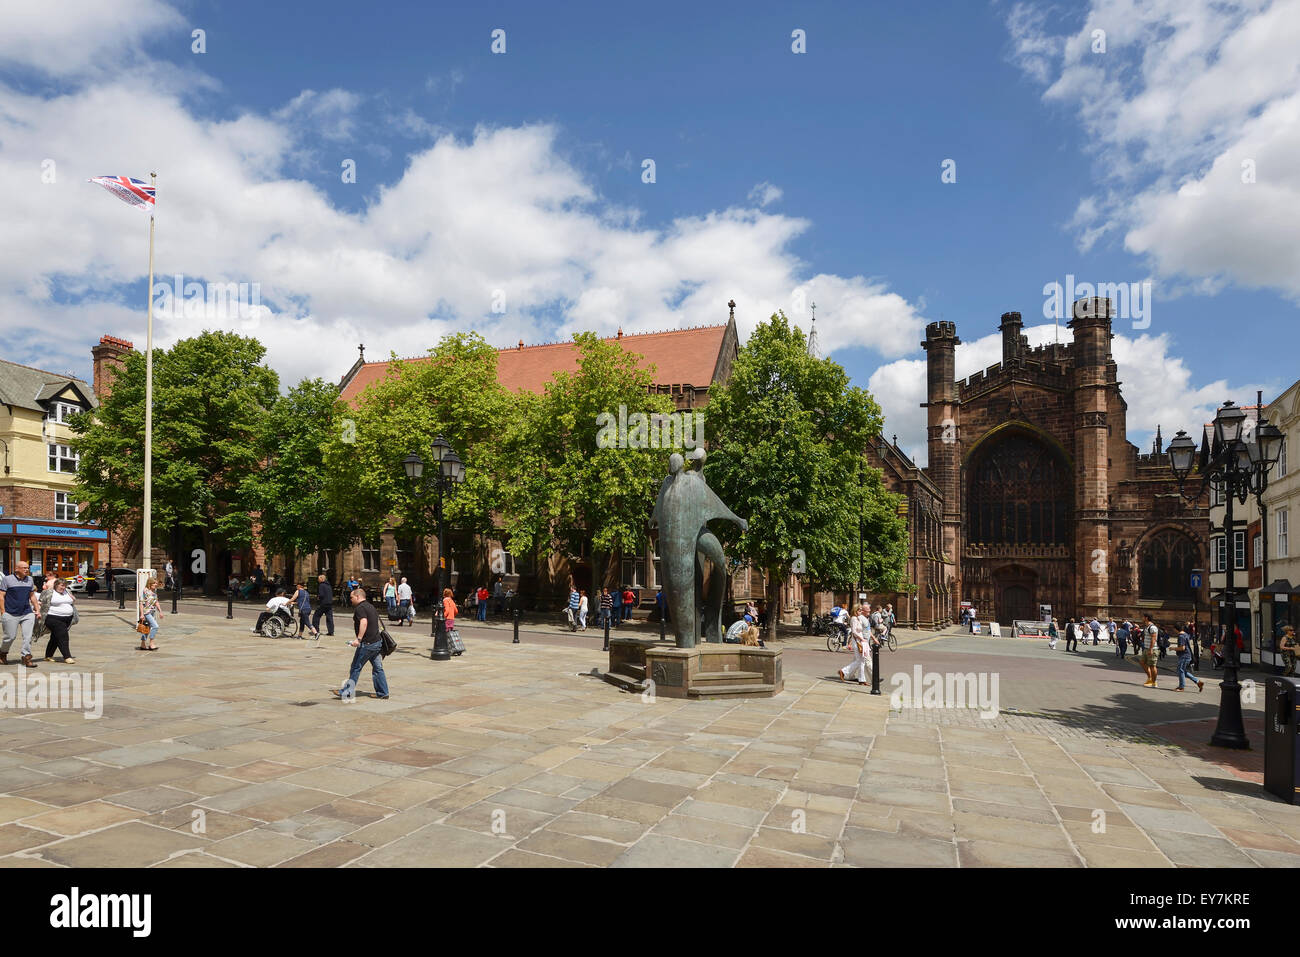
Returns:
<point x="226" y="750"/>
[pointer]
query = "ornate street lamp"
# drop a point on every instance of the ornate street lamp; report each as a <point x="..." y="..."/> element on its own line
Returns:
<point x="1240" y="468"/>
<point x="450" y="473"/>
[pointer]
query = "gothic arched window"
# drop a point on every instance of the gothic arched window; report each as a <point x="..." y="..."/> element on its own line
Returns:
<point x="1020" y="494"/>
<point x="1165" y="569"/>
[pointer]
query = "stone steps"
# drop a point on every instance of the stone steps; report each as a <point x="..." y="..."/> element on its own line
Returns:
<point x="711" y="690"/>
<point x="729" y="677"/>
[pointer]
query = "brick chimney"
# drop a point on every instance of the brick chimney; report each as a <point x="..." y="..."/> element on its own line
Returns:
<point x="109" y="356"/>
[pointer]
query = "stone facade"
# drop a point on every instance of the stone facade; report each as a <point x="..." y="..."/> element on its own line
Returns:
<point x="1040" y="498"/>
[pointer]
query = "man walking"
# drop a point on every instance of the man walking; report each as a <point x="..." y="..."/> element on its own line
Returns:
<point x="1095" y="627"/>
<point x="575" y="605"/>
<point x="482" y="602"/>
<point x="21" y="609"/>
<point x="404" y="603"/>
<point x="325" y="606"/>
<point x="1185" y="662"/>
<point x="365" y="622"/>
<point x="1121" y="639"/>
<point x="606" y="605"/>
<point x="1148" y="655"/>
<point x="1071" y="636"/>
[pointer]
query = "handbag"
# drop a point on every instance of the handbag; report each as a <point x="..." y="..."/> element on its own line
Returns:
<point x="386" y="643"/>
<point x="76" y="618"/>
<point x="141" y="627"/>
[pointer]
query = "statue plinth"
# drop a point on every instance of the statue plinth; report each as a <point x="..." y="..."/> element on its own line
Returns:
<point x="706" y="672"/>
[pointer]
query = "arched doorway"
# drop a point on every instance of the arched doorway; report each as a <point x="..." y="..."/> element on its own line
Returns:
<point x="1015" y="594"/>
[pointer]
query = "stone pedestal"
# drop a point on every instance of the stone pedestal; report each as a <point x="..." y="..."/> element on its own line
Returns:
<point x="709" y="671"/>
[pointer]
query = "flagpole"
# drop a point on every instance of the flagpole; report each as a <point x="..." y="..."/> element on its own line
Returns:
<point x="148" y="403"/>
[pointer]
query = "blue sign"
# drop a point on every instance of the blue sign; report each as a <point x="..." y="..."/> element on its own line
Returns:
<point x="6" y="529"/>
<point x="1196" y="580"/>
<point x="59" y="531"/>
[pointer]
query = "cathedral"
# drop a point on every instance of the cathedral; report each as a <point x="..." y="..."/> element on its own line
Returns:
<point x="1034" y="496"/>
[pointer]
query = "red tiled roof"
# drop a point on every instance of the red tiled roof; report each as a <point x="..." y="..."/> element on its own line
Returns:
<point x="680" y="356"/>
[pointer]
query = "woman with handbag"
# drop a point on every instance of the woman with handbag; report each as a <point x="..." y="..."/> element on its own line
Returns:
<point x="1288" y="648"/>
<point x="151" y="614"/>
<point x="61" y="616"/>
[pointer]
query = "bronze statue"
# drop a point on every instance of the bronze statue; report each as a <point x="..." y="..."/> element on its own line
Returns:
<point x="688" y="550"/>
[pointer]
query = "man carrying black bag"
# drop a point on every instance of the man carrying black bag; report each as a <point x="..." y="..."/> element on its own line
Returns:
<point x="325" y="596"/>
<point x="370" y="647"/>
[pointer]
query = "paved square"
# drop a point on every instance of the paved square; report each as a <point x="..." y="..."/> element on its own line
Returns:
<point x="226" y="749"/>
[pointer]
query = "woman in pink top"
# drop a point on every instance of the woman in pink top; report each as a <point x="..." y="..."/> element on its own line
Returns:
<point x="449" y="608"/>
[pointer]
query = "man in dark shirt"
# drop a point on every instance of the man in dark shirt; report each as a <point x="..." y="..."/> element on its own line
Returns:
<point x="21" y="610"/>
<point x="365" y="621"/>
<point x="325" y="595"/>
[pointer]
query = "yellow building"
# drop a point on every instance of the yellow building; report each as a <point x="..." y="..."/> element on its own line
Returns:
<point x="1280" y="597"/>
<point x="38" y="510"/>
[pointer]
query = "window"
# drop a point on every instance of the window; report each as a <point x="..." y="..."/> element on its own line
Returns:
<point x="1281" y="458"/>
<point x="1019" y="494"/>
<point x="1281" y="533"/>
<point x="1216" y="494"/>
<point x="503" y="563"/>
<point x="370" y="557"/>
<point x="64" y="509"/>
<point x="63" y="459"/>
<point x="61" y="412"/>
<point x="1218" y="554"/>
<point x="1238" y="550"/>
<point x="1258" y="550"/>
<point x="634" y="572"/>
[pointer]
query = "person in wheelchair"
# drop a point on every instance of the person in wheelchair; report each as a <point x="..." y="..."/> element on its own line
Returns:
<point x="278" y="607"/>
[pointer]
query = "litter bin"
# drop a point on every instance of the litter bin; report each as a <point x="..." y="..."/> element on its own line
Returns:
<point x="1281" y="741"/>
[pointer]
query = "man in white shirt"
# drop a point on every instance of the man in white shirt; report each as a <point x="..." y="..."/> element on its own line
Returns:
<point x="404" y="601"/>
<point x="275" y="604"/>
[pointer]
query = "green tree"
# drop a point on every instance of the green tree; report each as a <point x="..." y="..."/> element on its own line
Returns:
<point x="454" y="393"/>
<point x="563" y="482"/>
<point x="786" y="440"/>
<point x="288" y="492"/>
<point x="211" y="399"/>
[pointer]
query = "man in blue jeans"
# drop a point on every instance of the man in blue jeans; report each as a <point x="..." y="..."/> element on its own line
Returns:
<point x="1185" y="662"/>
<point x="365" y="621"/>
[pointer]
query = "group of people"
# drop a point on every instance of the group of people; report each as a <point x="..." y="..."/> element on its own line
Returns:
<point x="864" y="626"/>
<point x="615" y="606"/>
<point x="400" y="601"/>
<point x="25" y="608"/>
<point x="1149" y="644"/>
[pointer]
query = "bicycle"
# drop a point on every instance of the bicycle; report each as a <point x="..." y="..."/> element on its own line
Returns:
<point x="837" y="636"/>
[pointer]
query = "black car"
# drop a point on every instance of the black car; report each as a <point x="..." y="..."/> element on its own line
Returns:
<point x="115" y="577"/>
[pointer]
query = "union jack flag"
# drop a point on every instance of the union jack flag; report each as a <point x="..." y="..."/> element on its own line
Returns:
<point x="133" y="191"/>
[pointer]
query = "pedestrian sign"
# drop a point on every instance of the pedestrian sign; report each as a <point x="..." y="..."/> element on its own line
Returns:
<point x="1196" y="580"/>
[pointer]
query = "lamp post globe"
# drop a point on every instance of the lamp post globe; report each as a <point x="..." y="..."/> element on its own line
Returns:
<point x="1269" y="439"/>
<point x="413" y="465"/>
<point x="1229" y="422"/>
<point x="1182" y="452"/>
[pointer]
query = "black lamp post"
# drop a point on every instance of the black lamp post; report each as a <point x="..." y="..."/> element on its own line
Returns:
<point x="1240" y="468"/>
<point x="449" y="474"/>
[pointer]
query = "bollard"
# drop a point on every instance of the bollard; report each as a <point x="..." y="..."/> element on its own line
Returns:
<point x="606" y="648"/>
<point x="230" y="603"/>
<point x="516" y="617"/>
<point x="875" y="668"/>
<point x="175" y="597"/>
<point x="121" y="597"/>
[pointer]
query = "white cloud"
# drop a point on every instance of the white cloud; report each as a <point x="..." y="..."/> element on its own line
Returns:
<point x="503" y="210"/>
<point x="764" y="193"/>
<point x="83" y="36"/>
<point x="1186" y="92"/>
<point x="1156" y="384"/>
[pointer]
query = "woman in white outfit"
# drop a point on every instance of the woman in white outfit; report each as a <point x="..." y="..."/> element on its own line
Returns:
<point x="858" y="666"/>
<point x="582" y="611"/>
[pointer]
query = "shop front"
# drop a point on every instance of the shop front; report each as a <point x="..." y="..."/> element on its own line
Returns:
<point x="1279" y="606"/>
<point x="64" y="550"/>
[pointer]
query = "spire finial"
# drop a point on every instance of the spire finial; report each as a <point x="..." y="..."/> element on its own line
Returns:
<point x="731" y="305"/>
<point x="814" y="312"/>
<point x="361" y="348"/>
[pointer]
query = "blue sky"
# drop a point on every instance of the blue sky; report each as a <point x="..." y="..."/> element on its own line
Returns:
<point x="781" y="178"/>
